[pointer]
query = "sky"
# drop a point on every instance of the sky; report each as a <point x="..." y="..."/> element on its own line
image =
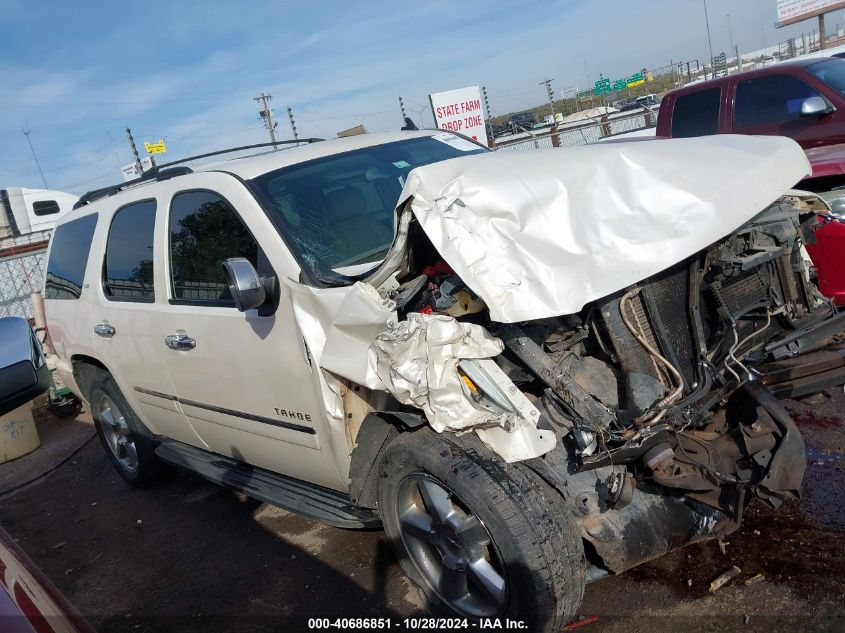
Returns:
<point x="76" y="74"/>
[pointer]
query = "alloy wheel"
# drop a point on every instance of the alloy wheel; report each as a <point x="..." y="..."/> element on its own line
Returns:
<point x="117" y="433"/>
<point x="451" y="547"/>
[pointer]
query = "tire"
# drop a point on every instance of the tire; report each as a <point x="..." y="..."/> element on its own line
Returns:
<point x="65" y="407"/>
<point x="128" y="445"/>
<point x="534" y="549"/>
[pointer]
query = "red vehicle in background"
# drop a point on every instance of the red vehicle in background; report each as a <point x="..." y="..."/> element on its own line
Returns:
<point x="29" y="602"/>
<point x="801" y="99"/>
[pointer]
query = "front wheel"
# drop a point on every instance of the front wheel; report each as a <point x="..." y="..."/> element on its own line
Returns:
<point x="129" y="450"/>
<point x="480" y="538"/>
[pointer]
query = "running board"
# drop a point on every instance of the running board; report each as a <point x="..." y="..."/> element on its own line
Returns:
<point x="309" y="500"/>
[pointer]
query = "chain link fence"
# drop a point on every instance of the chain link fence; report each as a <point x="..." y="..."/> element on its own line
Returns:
<point x="19" y="276"/>
<point x="582" y="133"/>
<point x="22" y="267"/>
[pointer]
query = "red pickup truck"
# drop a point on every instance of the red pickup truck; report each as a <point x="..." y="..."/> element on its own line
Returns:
<point x="801" y="99"/>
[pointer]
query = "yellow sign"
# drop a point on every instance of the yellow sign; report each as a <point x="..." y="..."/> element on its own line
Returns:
<point x="155" y="148"/>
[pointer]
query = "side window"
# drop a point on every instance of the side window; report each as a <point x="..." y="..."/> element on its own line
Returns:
<point x="769" y="99"/>
<point x="696" y="113"/>
<point x="45" y="207"/>
<point x="204" y="231"/>
<point x="68" y="258"/>
<point x="128" y="267"/>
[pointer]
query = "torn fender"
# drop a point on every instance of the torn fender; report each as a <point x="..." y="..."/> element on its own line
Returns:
<point x="418" y="360"/>
<point x="542" y="233"/>
<point x="340" y="324"/>
<point x="352" y="333"/>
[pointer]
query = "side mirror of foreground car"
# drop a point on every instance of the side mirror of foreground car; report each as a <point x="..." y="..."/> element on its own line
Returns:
<point x="248" y="289"/>
<point x="23" y="371"/>
<point x="815" y="106"/>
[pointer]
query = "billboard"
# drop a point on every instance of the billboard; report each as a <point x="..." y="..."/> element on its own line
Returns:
<point x="792" y="11"/>
<point x="460" y="111"/>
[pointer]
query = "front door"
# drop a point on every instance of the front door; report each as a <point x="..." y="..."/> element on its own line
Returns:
<point x="243" y="380"/>
<point x="771" y="105"/>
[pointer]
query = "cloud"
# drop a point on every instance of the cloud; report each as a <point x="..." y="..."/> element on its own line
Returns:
<point x="188" y="71"/>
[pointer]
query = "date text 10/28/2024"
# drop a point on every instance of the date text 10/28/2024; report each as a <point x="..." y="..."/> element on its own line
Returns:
<point x="416" y="624"/>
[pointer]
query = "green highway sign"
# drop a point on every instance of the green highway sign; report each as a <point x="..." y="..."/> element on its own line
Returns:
<point x="620" y="84"/>
<point x="636" y="79"/>
<point x="602" y="86"/>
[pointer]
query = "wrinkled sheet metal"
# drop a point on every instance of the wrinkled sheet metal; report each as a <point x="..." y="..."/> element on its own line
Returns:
<point x="417" y="360"/>
<point x="542" y="233"/>
<point x="352" y="333"/>
<point x="340" y="324"/>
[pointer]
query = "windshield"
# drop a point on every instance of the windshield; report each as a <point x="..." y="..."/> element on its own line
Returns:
<point x="832" y="72"/>
<point x="337" y="212"/>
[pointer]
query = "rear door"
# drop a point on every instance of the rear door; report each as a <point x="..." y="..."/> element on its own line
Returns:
<point x="131" y="308"/>
<point x="245" y="381"/>
<point x="697" y="113"/>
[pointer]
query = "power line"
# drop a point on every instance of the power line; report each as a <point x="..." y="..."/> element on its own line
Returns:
<point x="109" y="175"/>
<point x="63" y="155"/>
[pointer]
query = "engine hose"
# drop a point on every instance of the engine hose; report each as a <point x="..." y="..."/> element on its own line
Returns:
<point x="623" y="302"/>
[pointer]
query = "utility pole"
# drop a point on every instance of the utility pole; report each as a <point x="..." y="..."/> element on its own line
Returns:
<point x="709" y="44"/>
<point x="267" y="116"/>
<point x="134" y="151"/>
<point x="731" y="32"/>
<point x="402" y="108"/>
<point x="486" y="102"/>
<point x="551" y="93"/>
<point x="292" y="125"/>
<point x="487" y="112"/>
<point x="821" y="32"/>
<point x="26" y="132"/>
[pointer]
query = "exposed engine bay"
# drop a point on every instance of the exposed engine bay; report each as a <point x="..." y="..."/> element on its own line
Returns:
<point x="605" y="317"/>
<point x="655" y="388"/>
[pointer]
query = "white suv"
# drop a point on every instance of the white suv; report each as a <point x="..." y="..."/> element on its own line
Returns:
<point x="532" y="368"/>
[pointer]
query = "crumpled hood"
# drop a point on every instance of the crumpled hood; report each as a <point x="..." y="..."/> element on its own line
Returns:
<point x="541" y="233"/>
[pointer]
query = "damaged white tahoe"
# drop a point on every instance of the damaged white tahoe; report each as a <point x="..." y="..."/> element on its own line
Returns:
<point x="533" y="369"/>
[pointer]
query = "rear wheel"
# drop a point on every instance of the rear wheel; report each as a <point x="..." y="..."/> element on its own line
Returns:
<point x="128" y="448"/>
<point x="480" y="538"/>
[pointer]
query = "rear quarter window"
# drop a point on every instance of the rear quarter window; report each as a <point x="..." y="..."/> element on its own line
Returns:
<point x="696" y="113"/>
<point x="69" y="257"/>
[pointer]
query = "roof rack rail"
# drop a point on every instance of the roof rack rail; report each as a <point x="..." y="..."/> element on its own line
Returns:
<point x="167" y="170"/>
<point x="241" y="148"/>
<point x="155" y="174"/>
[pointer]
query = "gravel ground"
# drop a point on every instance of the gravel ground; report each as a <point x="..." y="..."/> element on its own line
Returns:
<point x="190" y="556"/>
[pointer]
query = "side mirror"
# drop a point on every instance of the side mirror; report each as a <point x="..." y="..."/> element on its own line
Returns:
<point x="815" y="106"/>
<point x="23" y="371"/>
<point x="246" y="286"/>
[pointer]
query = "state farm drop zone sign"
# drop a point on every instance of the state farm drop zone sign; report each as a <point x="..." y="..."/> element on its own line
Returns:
<point x="460" y="111"/>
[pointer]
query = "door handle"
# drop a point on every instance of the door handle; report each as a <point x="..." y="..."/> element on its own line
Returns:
<point x="104" y="329"/>
<point x="180" y="341"/>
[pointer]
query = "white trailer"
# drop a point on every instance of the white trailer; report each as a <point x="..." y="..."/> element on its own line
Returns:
<point x="25" y="211"/>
